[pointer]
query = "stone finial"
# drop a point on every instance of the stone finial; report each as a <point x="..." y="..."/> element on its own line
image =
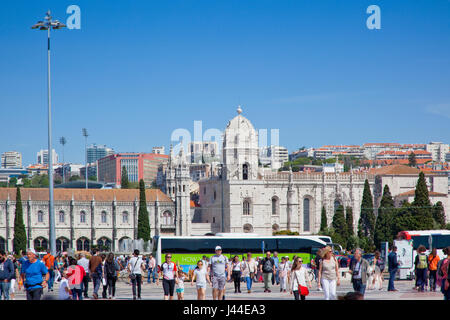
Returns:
<point x="239" y="110"/>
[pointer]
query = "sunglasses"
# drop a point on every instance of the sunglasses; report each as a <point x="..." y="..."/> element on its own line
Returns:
<point x="168" y="256"/>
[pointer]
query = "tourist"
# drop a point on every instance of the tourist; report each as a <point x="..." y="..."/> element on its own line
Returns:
<point x="75" y="274"/>
<point x="6" y="274"/>
<point x="84" y="262"/>
<point x="151" y="264"/>
<point x="393" y="265"/>
<point x="135" y="268"/>
<point x="359" y="269"/>
<point x="111" y="269"/>
<point x="315" y="263"/>
<point x="169" y="272"/>
<point x="64" y="292"/>
<point x="433" y="260"/>
<point x="96" y="273"/>
<point x="249" y="268"/>
<point x="179" y="284"/>
<point x="31" y="274"/>
<point x="104" y="283"/>
<point x="12" y="287"/>
<point x="49" y="261"/>
<point x="268" y="269"/>
<point x="283" y="273"/>
<point x="329" y="274"/>
<point x="236" y="271"/>
<point x="276" y="277"/>
<point x="444" y="273"/>
<point x="200" y="277"/>
<point x="421" y="266"/>
<point x="218" y="270"/>
<point x="379" y="266"/>
<point x="298" y="278"/>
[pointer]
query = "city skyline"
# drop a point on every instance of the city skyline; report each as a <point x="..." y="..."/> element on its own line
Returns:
<point x="177" y="63"/>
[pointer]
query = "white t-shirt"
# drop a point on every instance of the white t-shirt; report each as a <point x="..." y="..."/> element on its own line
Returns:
<point x="236" y="266"/>
<point x="168" y="270"/>
<point x="200" y="275"/>
<point x="63" y="295"/>
<point x="135" y="265"/>
<point x="296" y="277"/>
<point x="180" y="284"/>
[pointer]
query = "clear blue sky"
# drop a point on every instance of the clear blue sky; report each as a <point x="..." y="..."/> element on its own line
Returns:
<point x="137" y="70"/>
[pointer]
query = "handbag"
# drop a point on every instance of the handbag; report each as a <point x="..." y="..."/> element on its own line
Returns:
<point x="302" y="290"/>
<point x="132" y="275"/>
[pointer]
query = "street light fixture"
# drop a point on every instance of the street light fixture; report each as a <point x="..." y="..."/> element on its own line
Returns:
<point x="48" y="24"/>
<point x="85" y="134"/>
<point x="63" y="141"/>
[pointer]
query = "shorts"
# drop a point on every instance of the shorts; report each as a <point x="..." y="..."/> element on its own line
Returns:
<point x="168" y="286"/>
<point x="179" y="290"/>
<point x="201" y="285"/>
<point x="218" y="282"/>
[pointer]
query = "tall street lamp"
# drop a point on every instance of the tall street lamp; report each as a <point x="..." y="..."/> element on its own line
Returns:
<point x="85" y="134"/>
<point x="48" y="24"/>
<point x="63" y="141"/>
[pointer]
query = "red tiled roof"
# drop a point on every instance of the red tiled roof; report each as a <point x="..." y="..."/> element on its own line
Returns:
<point x="411" y="193"/>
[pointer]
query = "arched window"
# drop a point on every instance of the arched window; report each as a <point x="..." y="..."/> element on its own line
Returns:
<point x="248" y="228"/>
<point x="337" y="203"/>
<point x="245" y="171"/>
<point x="306" y="210"/>
<point x="275" y="206"/>
<point x="62" y="216"/>
<point x="40" y="216"/>
<point x="2" y="244"/>
<point x="83" y="244"/>
<point x="104" y="244"/>
<point x="246" y="208"/>
<point x="167" y="218"/>
<point x="275" y="228"/>
<point x="40" y="243"/>
<point x="62" y="244"/>
<point x="104" y="215"/>
<point x="125" y="217"/>
<point x="82" y="217"/>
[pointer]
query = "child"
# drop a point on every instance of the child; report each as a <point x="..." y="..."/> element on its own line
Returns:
<point x="284" y="268"/>
<point x="180" y="284"/>
<point x="64" y="292"/>
<point x="201" y="276"/>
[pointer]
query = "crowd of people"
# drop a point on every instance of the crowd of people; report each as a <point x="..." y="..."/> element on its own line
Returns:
<point x="74" y="273"/>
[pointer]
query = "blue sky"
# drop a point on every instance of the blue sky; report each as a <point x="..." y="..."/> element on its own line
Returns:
<point x="137" y="70"/>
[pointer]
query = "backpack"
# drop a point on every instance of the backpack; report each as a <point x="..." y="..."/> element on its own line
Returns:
<point x="268" y="265"/>
<point x="422" y="262"/>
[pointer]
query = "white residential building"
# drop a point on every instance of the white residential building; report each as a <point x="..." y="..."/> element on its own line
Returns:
<point x="273" y="156"/>
<point x="438" y="150"/>
<point x="42" y="157"/>
<point x="11" y="159"/>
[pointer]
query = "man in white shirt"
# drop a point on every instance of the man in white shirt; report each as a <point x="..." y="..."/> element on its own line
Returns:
<point x="83" y="262"/>
<point x="135" y="268"/>
<point x="151" y="268"/>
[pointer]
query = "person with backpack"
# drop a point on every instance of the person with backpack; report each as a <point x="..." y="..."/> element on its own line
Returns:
<point x="444" y="273"/>
<point x="421" y="266"/>
<point x="94" y="263"/>
<point x="433" y="260"/>
<point x="111" y="269"/>
<point x="268" y="269"/>
<point x="75" y="275"/>
<point x="393" y="265"/>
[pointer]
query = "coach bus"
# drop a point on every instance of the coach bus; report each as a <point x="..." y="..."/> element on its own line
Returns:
<point x="438" y="239"/>
<point x="187" y="251"/>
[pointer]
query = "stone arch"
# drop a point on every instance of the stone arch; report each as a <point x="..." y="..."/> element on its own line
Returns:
<point x="247" y="207"/>
<point x="247" y="228"/>
<point x="83" y="244"/>
<point x="167" y="217"/>
<point x="40" y="243"/>
<point x="62" y="244"/>
<point x="124" y="245"/>
<point x="104" y="243"/>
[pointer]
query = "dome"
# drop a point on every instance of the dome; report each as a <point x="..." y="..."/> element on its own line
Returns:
<point x="239" y="124"/>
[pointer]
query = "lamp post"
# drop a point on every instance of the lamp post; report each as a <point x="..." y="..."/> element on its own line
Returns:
<point x="85" y="134"/>
<point x="63" y="141"/>
<point x="48" y="24"/>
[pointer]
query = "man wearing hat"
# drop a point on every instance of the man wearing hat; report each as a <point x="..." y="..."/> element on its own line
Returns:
<point x="32" y="272"/>
<point x="218" y="269"/>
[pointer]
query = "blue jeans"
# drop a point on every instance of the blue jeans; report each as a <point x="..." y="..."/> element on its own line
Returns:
<point x="358" y="286"/>
<point x="51" y="279"/>
<point x="4" y="289"/>
<point x="96" y="279"/>
<point x="391" y="280"/>
<point x="421" y="278"/>
<point x="277" y="277"/>
<point x="150" y="273"/>
<point x="77" y="294"/>
<point x="249" y="281"/>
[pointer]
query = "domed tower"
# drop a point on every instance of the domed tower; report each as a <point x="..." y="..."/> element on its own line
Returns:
<point x="240" y="149"/>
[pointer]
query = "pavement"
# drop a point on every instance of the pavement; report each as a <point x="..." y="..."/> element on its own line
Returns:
<point x="154" y="292"/>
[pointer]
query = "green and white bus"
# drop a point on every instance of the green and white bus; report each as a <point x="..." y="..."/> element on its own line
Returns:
<point x="187" y="251"/>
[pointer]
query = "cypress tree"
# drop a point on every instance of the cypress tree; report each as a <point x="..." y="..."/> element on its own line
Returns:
<point x="439" y="215"/>
<point x="349" y="220"/>
<point x="422" y="209"/>
<point x="20" y="235"/>
<point x="366" y="223"/>
<point x="340" y="225"/>
<point x="383" y="227"/>
<point x="412" y="159"/>
<point x="143" y="231"/>
<point x="323" y="220"/>
<point x="124" y="183"/>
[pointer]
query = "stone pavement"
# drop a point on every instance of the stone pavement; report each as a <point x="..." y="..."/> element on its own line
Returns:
<point x="154" y="292"/>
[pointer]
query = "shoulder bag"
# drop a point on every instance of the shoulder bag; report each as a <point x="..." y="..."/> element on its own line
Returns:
<point x="302" y="290"/>
<point x="132" y="275"/>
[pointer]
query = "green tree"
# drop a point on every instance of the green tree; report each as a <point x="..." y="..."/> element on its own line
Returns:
<point x="439" y="215"/>
<point x="124" y="183"/>
<point x="403" y="219"/>
<point x="20" y="236"/>
<point x="349" y="220"/>
<point x="92" y="178"/>
<point x="366" y="223"/>
<point x="323" y="220"/>
<point x="412" y="162"/>
<point x="143" y="231"/>
<point x="12" y="182"/>
<point x="383" y="227"/>
<point x="75" y="178"/>
<point x="422" y="208"/>
<point x="340" y="225"/>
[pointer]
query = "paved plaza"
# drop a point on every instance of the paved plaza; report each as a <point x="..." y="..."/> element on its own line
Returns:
<point x="154" y="292"/>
